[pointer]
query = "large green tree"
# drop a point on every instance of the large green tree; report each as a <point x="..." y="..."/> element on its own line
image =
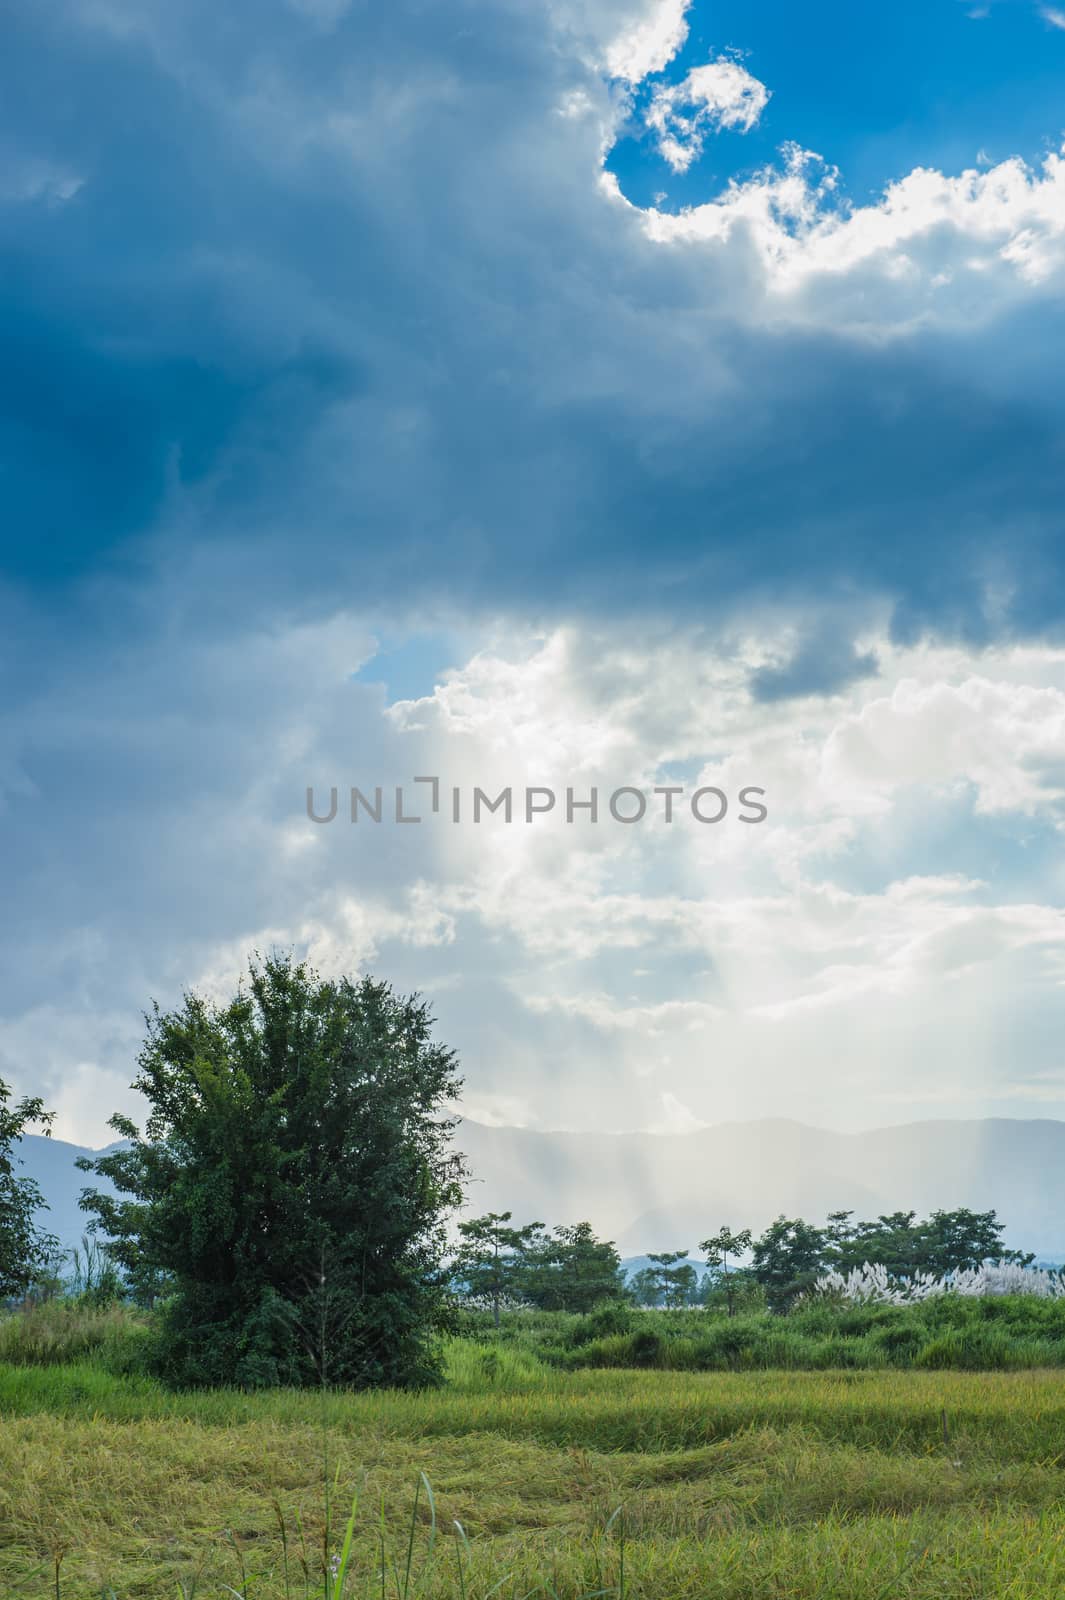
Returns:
<point x="24" y="1248"/>
<point x="290" y="1184"/>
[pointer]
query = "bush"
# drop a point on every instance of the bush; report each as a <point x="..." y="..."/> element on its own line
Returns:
<point x="613" y="1317"/>
<point x="899" y="1342"/>
<point x="970" y="1349"/>
<point x="647" y="1348"/>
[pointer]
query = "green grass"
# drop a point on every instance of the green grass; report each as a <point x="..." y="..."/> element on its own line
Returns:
<point x="863" y="1482"/>
<point x="1002" y="1334"/>
<point x="862" y="1485"/>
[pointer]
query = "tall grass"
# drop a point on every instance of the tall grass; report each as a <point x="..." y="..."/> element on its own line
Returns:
<point x="65" y="1330"/>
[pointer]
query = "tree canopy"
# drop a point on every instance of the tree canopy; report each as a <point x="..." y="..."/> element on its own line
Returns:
<point x="570" y="1269"/>
<point x="791" y="1254"/>
<point x="289" y="1188"/>
<point x="24" y="1247"/>
<point x="491" y="1262"/>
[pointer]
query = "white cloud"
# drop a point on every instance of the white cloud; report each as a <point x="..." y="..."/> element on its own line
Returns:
<point x="605" y="1012"/>
<point x="650" y="42"/>
<point x="810" y="966"/>
<point x="1053" y="15"/>
<point x="934" y="248"/>
<point x="1006" y="740"/>
<point x="721" y="94"/>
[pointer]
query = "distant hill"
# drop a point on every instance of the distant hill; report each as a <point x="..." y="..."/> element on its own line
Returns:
<point x="667" y="1191"/>
<point x="631" y="1265"/>
<point x="51" y="1162"/>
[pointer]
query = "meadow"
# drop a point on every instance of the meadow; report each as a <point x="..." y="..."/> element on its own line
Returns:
<point x="522" y="1476"/>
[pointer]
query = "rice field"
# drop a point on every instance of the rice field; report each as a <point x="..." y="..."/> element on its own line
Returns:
<point x="519" y="1480"/>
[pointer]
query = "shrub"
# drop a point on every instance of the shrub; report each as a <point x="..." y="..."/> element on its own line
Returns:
<point x="970" y="1349"/>
<point x="613" y="1317"/>
<point x="647" y="1348"/>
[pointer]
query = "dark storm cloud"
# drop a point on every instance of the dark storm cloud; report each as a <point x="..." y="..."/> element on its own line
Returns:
<point x="341" y="310"/>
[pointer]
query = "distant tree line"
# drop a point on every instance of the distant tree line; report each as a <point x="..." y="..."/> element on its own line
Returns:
<point x="499" y="1264"/>
<point x="566" y="1269"/>
<point x="792" y="1253"/>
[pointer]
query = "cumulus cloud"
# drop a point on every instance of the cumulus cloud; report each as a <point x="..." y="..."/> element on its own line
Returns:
<point x="902" y="899"/>
<point x="722" y="94"/>
<point x="649" y="42"/>
<point x="935" y="248"/>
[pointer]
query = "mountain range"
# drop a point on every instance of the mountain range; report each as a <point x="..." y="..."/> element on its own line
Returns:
<point x="652" y="1191"/>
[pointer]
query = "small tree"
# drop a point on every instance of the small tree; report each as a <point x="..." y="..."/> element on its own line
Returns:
<point x="24" y="1249"/>
<point x="677" y="1279"/>
<point x="492" y="1257"/>
<point x="717" y="1250"/>
<point x="290" y="1186"/>
<point x="839" y="1232"/>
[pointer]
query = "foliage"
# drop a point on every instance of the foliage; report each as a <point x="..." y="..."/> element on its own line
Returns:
<point x="945" y="1242"/>
<point x="24" y="1249"/>
<point x="570" y="1269"/>
<point x="491" y="1263"/>
<point x="717" y="1249"/>
<point x="787" y="1259"/>
<point x="95" y="1280"/>
<point x="735" y="1292"/>
<point x="61" y="1331"/>
<point x="644" y="1287"/>
<point x="671" y="1280"/>
<point x="290" y="1183"/>
<point x="792" y="1254"/>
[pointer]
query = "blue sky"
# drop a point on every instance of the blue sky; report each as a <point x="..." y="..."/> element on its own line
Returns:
<point x="561" y="391"/>
<point x="875" y="89"/>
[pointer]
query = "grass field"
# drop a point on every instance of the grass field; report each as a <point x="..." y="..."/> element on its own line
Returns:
<point x="856" y="1484"/>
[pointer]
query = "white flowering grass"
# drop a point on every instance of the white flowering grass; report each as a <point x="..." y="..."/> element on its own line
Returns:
<point x="872" y="1284"/>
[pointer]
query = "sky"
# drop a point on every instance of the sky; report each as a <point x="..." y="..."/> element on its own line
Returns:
<point x="541" y="394"/>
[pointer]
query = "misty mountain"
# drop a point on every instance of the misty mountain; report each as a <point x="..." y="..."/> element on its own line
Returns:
<point x="667" y="1191"/>
<point x="51" y="1162"/>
